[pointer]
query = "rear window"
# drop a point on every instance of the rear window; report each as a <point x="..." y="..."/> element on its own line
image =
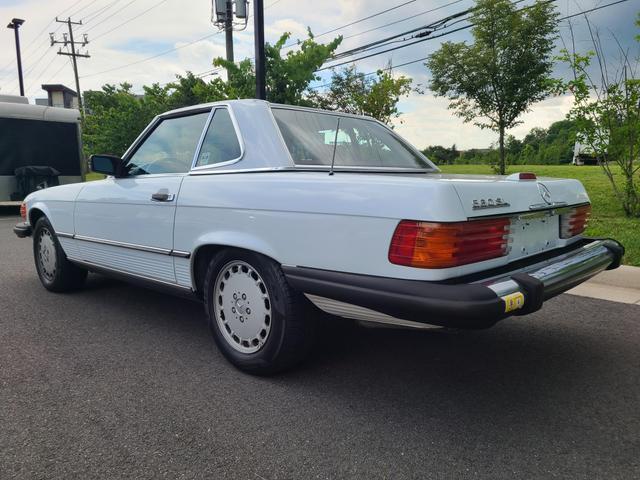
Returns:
<point x="311" y="137"/>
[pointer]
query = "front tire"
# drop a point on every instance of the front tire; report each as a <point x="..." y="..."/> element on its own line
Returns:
<point x="56" y="273"/>
<point x="260" y="324"/>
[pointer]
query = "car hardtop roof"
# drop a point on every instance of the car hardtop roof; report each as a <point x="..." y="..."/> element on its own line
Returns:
<point x="264" y="103"/>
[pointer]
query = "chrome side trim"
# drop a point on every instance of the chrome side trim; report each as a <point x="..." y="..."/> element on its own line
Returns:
<point x="133" y="246"/>
<point x="91" y="265"/>
<point x="64" y="235"/>
<point x="309" y="168"/>
<point x="355" y="312"/>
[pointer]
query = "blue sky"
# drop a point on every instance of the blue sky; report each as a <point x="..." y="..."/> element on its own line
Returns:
<point x="120" y="51"/>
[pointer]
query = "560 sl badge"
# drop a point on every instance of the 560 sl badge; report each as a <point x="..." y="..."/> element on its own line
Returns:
<point x="482" y="203"/>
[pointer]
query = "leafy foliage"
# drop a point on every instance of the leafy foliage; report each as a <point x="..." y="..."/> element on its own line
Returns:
<point x="607" y="112"/>
<point x="116" y="116"/>
<point x="507" y="69"/>
<point x="541" y="146"/>
<point x="442" y="155"/>
<point x="354" y="92"/>
<point x="287" y="77"/>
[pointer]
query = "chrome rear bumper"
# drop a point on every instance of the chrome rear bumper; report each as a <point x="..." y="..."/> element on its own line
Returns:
<point x="563" y="272"/>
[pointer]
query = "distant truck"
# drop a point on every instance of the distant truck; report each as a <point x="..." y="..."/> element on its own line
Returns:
<point x="42" y="143"/>
<point x="583" y="153"/>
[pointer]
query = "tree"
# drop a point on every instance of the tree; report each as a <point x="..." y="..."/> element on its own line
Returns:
<point x="506" y="70"/>
<point x="441" y="155"/>
<point x="607" y="113"/>
<point x="287" y="77"/>
<point x="354" y="92"/>
<point x="117" y="116"/>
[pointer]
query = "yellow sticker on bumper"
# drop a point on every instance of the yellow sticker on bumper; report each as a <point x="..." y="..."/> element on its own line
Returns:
<point x="513" y="301"/>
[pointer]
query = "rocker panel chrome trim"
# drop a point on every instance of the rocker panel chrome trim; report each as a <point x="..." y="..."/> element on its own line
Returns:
<point x="102" y="268"/>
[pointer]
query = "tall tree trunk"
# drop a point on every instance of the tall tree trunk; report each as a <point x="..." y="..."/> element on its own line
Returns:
<point x="502" y="164"/>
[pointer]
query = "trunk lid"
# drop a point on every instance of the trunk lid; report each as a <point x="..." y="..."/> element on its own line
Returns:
<point x="479" y="194"/>
<point x="532" y="205"/>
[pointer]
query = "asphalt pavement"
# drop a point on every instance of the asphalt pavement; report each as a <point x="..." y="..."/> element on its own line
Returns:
<point x="116" y="381"/>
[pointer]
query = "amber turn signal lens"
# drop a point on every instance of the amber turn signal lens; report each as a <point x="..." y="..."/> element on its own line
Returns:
<point x="23" y="211"/>
<point x="575" y="221"/>
<point x="443" y="245"/>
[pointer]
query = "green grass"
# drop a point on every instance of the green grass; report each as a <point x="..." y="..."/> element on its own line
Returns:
<point x="607" y="218"/>
<point x="91" y="176"/>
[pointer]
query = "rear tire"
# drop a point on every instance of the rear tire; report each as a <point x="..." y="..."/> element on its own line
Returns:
<point x="260" y="324"/>
<point x="56" y="273"/>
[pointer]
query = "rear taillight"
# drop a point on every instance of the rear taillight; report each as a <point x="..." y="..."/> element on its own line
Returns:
<point x="442" y="245"/>
<point x="23" y="211"/>
<point x="574" y="222"/>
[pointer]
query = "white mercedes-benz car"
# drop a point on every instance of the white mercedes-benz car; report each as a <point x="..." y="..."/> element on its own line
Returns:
<point x="264" y="211"/>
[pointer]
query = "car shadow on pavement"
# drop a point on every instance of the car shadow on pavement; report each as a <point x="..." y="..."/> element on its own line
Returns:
<point x="522" y="365"/>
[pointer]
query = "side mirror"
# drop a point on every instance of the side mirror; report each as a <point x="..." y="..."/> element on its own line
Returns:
<point x="107" y="164"/>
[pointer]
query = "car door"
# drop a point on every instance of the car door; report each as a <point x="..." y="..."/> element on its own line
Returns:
<point x="126" y="224"/>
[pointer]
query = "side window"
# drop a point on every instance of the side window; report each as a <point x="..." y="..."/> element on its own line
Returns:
<point x="220" y="142"/>
<point x="170" y="146"/>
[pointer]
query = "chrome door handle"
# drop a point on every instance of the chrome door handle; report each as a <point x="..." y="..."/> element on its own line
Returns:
<point x="162" y="196"/>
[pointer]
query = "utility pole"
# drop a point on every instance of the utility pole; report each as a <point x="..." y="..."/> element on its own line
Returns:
<point x="258" y="27"/>
<point x="222" y="15"/>
<point x="228" y="30"/>
<point x="15" y="25"/>
<point x="74" y="53"/>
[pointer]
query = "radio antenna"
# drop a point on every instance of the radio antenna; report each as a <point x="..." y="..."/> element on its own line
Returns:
<point x="335" y="144"/>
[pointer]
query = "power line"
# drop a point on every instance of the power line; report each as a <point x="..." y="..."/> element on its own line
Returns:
<point x="293" y="44"/>
<point x="365" y="18"/>
<point x="421" y="37"/>
<point x="592" y="10"/>
<point x="373" y="73"/>
<point x="402" y="19"/>
<point x="100" y="11"/>
<point x="129" y="20"/>
<point x="75" y="14"/>
<point x="109" y="16"/>
<point x="458" y="29"/>
<point x="35" y="38"/>
<point x="36" y="77"/>
<point x="152" y="57"/>
<point x="395" y="48"/>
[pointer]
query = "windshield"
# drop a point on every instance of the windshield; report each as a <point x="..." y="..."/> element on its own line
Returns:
<point x="359" y="142"/>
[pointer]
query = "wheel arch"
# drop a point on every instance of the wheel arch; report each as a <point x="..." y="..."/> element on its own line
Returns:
<point x="36" y="212"/>
<point x="208" y="246"/>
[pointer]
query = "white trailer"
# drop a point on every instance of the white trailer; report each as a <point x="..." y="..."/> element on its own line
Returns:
<point x="37" y="135"/>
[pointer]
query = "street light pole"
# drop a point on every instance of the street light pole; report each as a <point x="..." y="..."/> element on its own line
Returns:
<point x="15" y="25"/>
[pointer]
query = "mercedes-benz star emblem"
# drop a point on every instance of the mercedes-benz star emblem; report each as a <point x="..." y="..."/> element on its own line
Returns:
<point x="544" y="193"/>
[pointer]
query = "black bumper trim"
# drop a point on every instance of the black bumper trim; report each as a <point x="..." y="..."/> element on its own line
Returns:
<point x="22" y="230"/>
<point x="459" y="306"/>
<point x="462" y="304"/>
